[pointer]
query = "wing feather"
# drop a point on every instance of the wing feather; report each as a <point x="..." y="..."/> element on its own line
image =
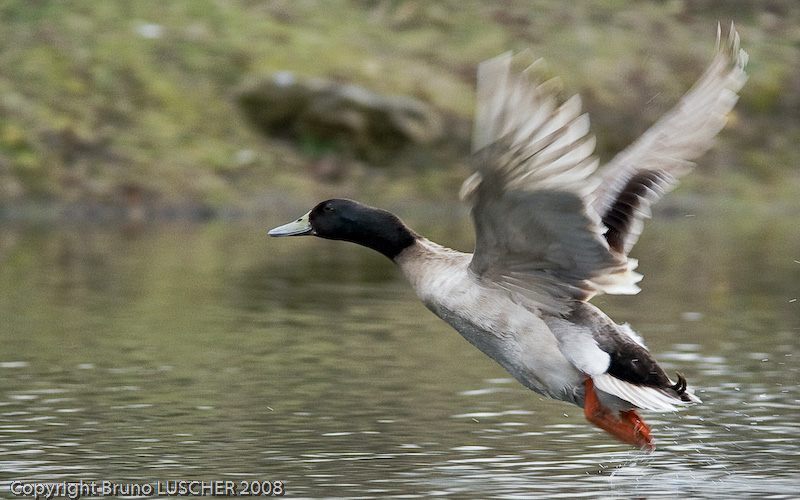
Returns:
<point x="549" y="229"/>
<point x="650" y="167"/>
<point x="535" y="236"/>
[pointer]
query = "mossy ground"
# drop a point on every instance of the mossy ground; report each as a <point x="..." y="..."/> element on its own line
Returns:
<point x="107" y="101"/>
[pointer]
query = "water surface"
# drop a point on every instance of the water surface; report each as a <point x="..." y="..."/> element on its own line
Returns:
<point x="212" y="352"/>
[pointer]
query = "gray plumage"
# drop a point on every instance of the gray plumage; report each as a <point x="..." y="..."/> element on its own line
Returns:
<point x="542" y="213"/>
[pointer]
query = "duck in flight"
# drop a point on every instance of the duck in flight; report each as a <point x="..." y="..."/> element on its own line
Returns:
<point x="552" y="232"/>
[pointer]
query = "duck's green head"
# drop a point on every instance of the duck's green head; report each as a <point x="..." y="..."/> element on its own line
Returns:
<point x="348" y="220"/>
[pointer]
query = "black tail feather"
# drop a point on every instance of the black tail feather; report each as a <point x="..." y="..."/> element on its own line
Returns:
<point x="680" y="385"/>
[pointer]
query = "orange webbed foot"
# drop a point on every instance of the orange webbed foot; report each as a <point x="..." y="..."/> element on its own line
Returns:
<point x="626" y="426"/>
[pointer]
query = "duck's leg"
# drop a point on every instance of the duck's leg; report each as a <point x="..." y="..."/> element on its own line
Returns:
<point x="626" y="426"/>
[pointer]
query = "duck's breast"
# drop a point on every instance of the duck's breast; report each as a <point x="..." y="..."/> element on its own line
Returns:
<point x="513" y="336"/>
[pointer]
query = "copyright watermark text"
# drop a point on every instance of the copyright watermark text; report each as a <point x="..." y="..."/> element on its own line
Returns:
<point x="77" y="489"/>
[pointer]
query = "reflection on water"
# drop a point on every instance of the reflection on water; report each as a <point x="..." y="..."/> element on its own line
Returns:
<point x="212" y="352"/>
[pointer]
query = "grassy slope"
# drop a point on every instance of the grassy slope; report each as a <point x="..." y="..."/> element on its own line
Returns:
<point x="101" y="99"/>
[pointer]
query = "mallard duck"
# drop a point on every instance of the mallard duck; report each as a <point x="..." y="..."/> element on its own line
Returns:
<point x="550" y="234"/>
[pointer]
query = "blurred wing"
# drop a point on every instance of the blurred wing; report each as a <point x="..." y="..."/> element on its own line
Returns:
<point x="535" y="235"/>
<point x="638" y="176"/>
<point x="540" y="145"/>
<point x="547" y="230"/>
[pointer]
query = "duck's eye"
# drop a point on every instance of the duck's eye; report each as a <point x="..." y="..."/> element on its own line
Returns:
<point x="328" y="208"/>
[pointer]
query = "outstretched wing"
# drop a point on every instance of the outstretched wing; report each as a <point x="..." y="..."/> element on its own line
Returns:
<point x="547" y="230"/>
<point x="536" y="237"/>
<point x="642" y="173"/>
